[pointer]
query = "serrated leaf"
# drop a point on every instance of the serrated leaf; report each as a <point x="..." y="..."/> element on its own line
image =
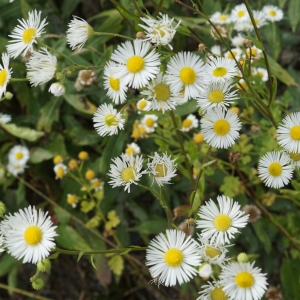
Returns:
<point x="116" y="264"/>
<point x="80" y="103"/>
<point x="40" y="154"/>
<point x="93" y="222"/>
<point x="87" y="206"/>
<point x="230" y="186"/>
<point x="23" y="132"/>
<point x="114" y="220"/>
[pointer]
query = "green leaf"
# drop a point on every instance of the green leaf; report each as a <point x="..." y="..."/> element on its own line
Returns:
<point x="280" y="73"/>
<point x="68" y="6"/>
<point x="124" y="12"/>
<point x="25" y="8"/>
<point x="63" y="217"/>
<point x="92" y="262"/>
<point x="69" y="238"/>
<point x="290" y="274"/>
<point x="116" y="264"/>
<point x="273" y="36"/>
<point x="208" y="163"/>
<point x="293" y="13"/>
<point x="282" y="3"/>
<point x="7" y="263"/>
<point x="93" y="222"/>
<point x="40" y="154"/>
<point x="196" y="204"/>
<point x="23" y="132"/>
<point x="80" y="255"/>
<point x="274" y="87"/>
<point x="255" y="42"/>
<point x="151" y="226"/>
<point x="87" y="206"/>
<point x="57" y="144"/>
<point x="230" y="186"/>
<point x="80" y="103"/>
<point x="20" y="193"/>
<point x="186" y="108"/>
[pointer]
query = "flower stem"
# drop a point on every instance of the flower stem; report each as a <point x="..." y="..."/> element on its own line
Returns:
<point x="113" y="34"/>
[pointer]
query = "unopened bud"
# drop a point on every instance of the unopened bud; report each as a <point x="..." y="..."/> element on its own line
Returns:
<point x="234" y="156"/>
<point x="247" y="43"/>
<point x="44" y="265"/>
<point x="242" y="258"/>
<point x="140" y="35"/>
<point x="59" y="76"/>
<point x="37" y="283"/>
<point x="255" y="128"/>
<point x="205" y="270"/>
<point x="201" y="47"/>
<point x="57" y="89"/>
<point x="8" y="95"/>
<point x="256" y="58"/>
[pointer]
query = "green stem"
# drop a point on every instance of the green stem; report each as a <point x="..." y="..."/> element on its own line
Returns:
<point x="18" y="79"/>
<point x="77" y="252"/>
<point x="158" y="8"/>
<point x="113" y="34"/>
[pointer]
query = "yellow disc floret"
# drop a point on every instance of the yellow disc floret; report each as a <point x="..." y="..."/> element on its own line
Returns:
<point x="57" y="159"/>
<point x="295" y="133"/>
<point x="216" y="96"/>
<point x="218" y="294"/>
<point x="130" y="151"/>
<point x="83" y="155"/>
<point x="135" y="64"/>
<point x="198" y="138"/>
<point x="275" y="169"/>
<point x="212" y="252"/>
<point x="244" y="280"/>
<point x="60" y="172"/>
<point x="114" y="83"/>
<point x="219" y="72"/>
<point x="221" y="127"/>
<point x="142" y="104"/>
<point x="71" y="199"/>
<point x="188" y="75"/>
<point x="73" y="164"/>
<point x="187" y="123"/>
<point x="162" y="92"/>
<point x="28" y="35"/>
<point x="241" y="13"/>
<point x="110" y="120"/>
<point x="33" y="235"/>
<point x="173" y="257"/>
<point x="128" y="174"/>
<point x="150" y="122"/>
<point x="222" y="222"/>
<point x="90" y="174"/>
<point x="160" y="170"/>
<point x="272" y="13"/>
<point x="3" y="77"/>
<point x="295" y="156"/>
<point x="19" y="155"/>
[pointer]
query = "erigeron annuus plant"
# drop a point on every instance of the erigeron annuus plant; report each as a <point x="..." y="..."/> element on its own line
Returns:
<point x="178" y="111"/>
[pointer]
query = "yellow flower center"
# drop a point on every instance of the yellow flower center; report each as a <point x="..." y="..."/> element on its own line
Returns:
<point x="295" y="133"/>
<point x="90" y="174"/>
<point x="142" y="104"/>
<point x="135" y="64"/>
<point x="223" y="18"/>
<point x="241" y="13"/>
<point x="60" y="172"/>
<point x="216" y="96"/>
<point x="220" y="72"/>
<point x="72" y="199"/>
<point x="198" y="138"/>
<point x="161" y="170"/>
<point x="275" y="169"/>
<point x="129" y="151"/>
<point x="150" y="122"/>
<point x="244" y="280"/>
<point x="142" y="130"/>
<point x="187" y="123"/>
<point x="212" y="252"/>
<point x="158" y="30"/>
<point x="260" y="74"/>
<point x="83" y="155"/>
<point x="96" y="183"/>
<point x="218" y="294"/>
<point x="272" y="13"/>
<point x="57" y="159"/>
<point x="33" y="235"/>
<point x="173" y="257"/>
<point x="221" y="127"/>
<point x="114" y="83"/>
<point x="222" y="222"/>
<point x="162" y="92"/>
<point x="19" y="155"/>
<point x="235" y="109"/>
<point x="128" y="174"/>
<point x="3" y="77"/>
<point x="294" y="156"/>
<point x="28" y="35"/>
<point x="73" y="164"/>
<point x="110" y="120"/>
<point x="230" y="56"/>
<point x="188" y="75"/>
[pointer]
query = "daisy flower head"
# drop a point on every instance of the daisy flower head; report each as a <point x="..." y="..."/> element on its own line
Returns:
<point x="116" y="87"/>
<point x="216" y="49"/>
<point x="272" y="13"/>
<point x="15" y="168"/>
<point x="294" y="159"/>
<point x="5" y="73"/>
<point x="243" y="281"/>
<point x="234" y="53"/>
<point x="160" y="94"/>
<point x="172" y="257"/>
<point x="97" y="184"/>
<point x="149" y="122"/>
<point x="219" y="18"/>
<point x="18" y="155"/>
<point x="72" y="200"/>
<point x="60" y="170"/>
<point x="185" y="71"/>
<point x="212" y="291"/>
<point x="25" y="34"/>
<point x="254" y="51"/>
<point x="163" y="168"/>
<point x="41" y="67"/>
<point x="143" y="105"/>
<point x="274" y="169"/>
<point x="259" y="19"/>
<point x="57" y="89"/>
<point x="262" y="73"/>
<point x="220" y="223"/>
<point x="161" y="31"/>
<point x="237" y="41"/>
<point x="189" y="123"/>
<point x="137" y="66"/>
<point x="29" y="234"/>
<point x="132" y="149"/>
<point x="4" y="118"/>
<point x="240" y="14"/>
<point x="217" y="95"/>
<point x="220" y="69"/>
<point x="125" y="170"/>
<point x="220" y="128"/>
<point x="288" y="133"/>
<point x="107" y="120"/>
<point x="78" y="33"/>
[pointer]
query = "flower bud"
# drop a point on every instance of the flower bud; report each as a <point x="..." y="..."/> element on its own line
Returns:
<point x="205" y="270"/>
<point x="8" y="95"/>
<point x="44" y="265"/>
<point x="242" y="258"/>
<point x="37" y="283"/>
<point x="140" y="35"/>
<point x="57" y="89"/>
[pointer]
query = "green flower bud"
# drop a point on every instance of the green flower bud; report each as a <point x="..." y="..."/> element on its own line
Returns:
<point x="243" y="258"/>
<point x="8" y="95"/>
<point x="44" y="265"/>
<point x="37" y="284"/>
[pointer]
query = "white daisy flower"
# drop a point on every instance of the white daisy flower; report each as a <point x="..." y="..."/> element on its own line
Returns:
<point x="242" y="281"/>
<point x="294" y="159"/>
<point x="107" y="120"/>
<point x="220" y="128"/>
<point x="57" y="89"/>
<point x="254" y="51"/>
<point x="237" y="41"/>
<point x="78" y="33"/>
<point x="4" y="118"/>
<point x="288" y="133"/>
<point x="60" y="170"/>
<point x="219" y="224"/>
<point x="18" y="155"/>
<point x="97" y="184"/>
<point x="213" y="253"/>
<point x="212" y="291"/>
<point x="220" y="69"/>
<point x="161" y="31"/>
<point x="161" y="95"/>
<point x="243" y="26"/>
<point x="219" y="18"/>
<point x="116" y="87"/>
<point x="5" y="73"/>
<point x="185" y="71"/>
<point x="272" y="13"/>
<point x="15" y="168"/>
<point x="216" y="49"/>
<point x="162" y="168"/>
<point x="172" y="257"/>
<point x="239" y="14"/>
<point x="261" y="72"/>
<point x="25" y="34"/>
<point x="217" y="95"/>
<point x="143" y="105"/>
<point x="72" y="200"/>
<point x="29" y="234"/>
<point x="236" y="52"/>
<point x="137" y="66"/>
<point x="41" y="67"/>
<point x="205" y="270"/>
<point x="259" y="18"/>
<point x="132" y="149"/>
<point x="189" y="123"/>
<point x="274" y="169"/>
<point x="149" y="122"/>
<point x="125" y="170"/>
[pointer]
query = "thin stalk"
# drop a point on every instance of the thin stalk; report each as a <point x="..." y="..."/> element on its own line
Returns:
<point x="77" y="252"/>
<point x="158" y="8"/>
<point x="113" y="34"/>
<point x="18" y="79"/>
